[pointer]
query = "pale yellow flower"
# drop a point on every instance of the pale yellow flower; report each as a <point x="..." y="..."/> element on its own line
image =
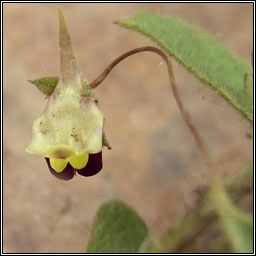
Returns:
<point x="69" y="132"/>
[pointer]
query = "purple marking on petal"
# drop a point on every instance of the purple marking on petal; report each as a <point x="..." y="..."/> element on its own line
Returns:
<point x="66" y="174"/>
<point x="93" y="166"/>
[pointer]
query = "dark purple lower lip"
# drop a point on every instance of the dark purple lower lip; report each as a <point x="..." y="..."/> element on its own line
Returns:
<point x="67" y="174"/>
<point x="93" y="166"/>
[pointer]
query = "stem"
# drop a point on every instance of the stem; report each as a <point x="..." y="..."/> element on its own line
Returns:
<point x="203" y="218"/>
<point x="198" y="140"/>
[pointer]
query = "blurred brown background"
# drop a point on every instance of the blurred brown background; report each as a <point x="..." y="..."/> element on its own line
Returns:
<point x="154" y="165"/>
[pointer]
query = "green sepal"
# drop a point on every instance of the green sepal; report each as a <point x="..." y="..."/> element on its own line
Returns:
<point x="45" y="84"/>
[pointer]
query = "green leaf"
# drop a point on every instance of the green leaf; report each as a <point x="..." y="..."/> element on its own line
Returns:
<point x="237" y="225"/>
<point x="199" y="53"/>
<point x="117" y="229"/>
<point x="45" y="84"/>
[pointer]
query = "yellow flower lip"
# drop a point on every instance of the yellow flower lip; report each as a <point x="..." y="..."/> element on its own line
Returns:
<point x="76" y="161"/>
<point x="58" y="164"/>
<point x="85" y="165"/>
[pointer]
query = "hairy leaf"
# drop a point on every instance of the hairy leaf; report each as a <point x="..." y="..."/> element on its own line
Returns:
<point x="200" y="53"/>
<point x="117" y="229"/>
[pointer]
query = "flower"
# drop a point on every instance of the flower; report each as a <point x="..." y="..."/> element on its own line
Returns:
<point x="69" y="132"/>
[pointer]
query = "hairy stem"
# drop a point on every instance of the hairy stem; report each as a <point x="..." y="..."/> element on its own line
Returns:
<point x="198" y="140"/>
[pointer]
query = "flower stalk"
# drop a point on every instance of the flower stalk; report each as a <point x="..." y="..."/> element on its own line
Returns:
<point x="197" y="138"/>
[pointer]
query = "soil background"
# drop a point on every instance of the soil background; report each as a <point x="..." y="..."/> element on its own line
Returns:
<point x="154" y="165"/>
